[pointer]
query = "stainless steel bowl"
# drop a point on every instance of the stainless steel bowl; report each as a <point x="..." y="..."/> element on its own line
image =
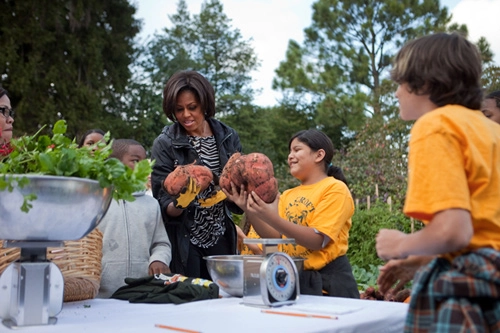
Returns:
<point x="227" y="272"/>
<point x="66" y="208"/>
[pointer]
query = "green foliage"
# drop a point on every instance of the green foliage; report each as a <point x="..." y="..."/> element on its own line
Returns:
<point x="285" y="120"/>
<point x="341" y="68"/>
<point x="261" y="137"/>
<point x="60" y="156"/>
<point x="365" y="277"/>
<point x="378" y="155"/>
<point x="491" y="78"/>
<point x="365" y="226"/>
<point x="66" y="60"/>
<point x="207" y="43"/>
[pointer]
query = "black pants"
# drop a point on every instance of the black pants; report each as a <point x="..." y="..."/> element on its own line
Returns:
<point x="335" y="279"/>
<point x="197" y="266"/>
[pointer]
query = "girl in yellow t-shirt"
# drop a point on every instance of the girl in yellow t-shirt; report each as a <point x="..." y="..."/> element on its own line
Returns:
<point x="317" y="214"/>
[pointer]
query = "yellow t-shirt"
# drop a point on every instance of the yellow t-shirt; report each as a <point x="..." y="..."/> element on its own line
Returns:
<point x="326" y="206"/>
<point x="251" y="234"/>
<point x="454" y="162"/>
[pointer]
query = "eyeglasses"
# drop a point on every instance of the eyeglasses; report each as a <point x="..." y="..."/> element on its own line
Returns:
<point x="7" y="112"/>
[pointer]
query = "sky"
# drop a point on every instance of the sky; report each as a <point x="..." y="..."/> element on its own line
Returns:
<point x="270" y="24"/>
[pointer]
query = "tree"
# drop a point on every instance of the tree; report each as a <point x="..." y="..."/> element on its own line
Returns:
<point x="170" y="51"/>
<point x="491" y="71"/>
<point x="207" y="43"/>
<point x="378" y="157"/>
<point x="491" y="77"/>
<point x="342" y="66"/>
<point x="66" y="59"/>
<point x="224" y="57"/>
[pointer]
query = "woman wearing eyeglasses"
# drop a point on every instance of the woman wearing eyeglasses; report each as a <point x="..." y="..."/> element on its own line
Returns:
<point x="6" y="121"/>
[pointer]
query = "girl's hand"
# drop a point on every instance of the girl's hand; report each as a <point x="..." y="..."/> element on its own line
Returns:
<point x="241" y="236"/>
<point x="261" y="209"/>
<point x="238" y="196"/>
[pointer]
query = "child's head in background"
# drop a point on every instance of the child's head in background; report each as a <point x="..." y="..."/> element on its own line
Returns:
<point x="491" y="106"/>
<point x="128" y="151"/>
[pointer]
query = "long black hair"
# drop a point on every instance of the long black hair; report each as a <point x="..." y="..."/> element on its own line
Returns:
<point x="317" y="140"/>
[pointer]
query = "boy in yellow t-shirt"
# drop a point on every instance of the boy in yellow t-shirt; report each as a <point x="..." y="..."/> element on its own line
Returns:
<point x="453" y="187"/>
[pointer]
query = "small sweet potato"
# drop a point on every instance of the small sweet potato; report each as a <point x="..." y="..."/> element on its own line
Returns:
<point x="201" y="174"/>
<point x="178" y="179"/>
<point x="402" y="295"/>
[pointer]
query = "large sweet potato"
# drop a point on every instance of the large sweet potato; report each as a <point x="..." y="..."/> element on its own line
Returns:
<point x="229" y="172"/>
<point x="267" y="191"/>
<point x="254" y="171"/>
<point x="178" y="179"/>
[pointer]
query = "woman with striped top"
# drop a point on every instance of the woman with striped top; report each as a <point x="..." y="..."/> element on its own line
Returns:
<point x="195" y="136"/>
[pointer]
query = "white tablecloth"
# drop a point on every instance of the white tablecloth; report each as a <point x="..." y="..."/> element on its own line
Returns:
<point x="224" y="315"/>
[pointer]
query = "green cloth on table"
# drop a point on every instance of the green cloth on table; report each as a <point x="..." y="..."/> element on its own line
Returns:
<point x="166" y="288"/>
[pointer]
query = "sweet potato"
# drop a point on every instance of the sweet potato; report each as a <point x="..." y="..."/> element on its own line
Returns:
<point x="178" y="179"/>
<point x="201" y="174"/>
<point x="402" y="295"/>
<point x="258" y="168"/>
<point x="390" y="296"/>
<point x="268" y="190"/>
<point x="254" y="171"/>
<point x="230" y="173"/>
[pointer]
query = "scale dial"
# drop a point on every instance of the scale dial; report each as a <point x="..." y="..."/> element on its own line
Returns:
<point x="279" y="279"/>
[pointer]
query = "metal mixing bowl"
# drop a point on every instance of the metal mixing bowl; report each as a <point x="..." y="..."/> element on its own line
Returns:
<point x="227" y="272"/>
<point x="66" y="208"/>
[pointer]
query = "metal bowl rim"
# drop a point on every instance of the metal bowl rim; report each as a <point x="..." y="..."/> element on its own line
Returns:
<point x="40" y="176"/>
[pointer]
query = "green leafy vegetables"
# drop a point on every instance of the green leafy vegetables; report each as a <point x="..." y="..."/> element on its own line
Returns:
<point x="60" y="156"/>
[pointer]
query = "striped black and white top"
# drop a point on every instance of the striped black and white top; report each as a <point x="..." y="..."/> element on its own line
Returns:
<point x="208" y="223"/>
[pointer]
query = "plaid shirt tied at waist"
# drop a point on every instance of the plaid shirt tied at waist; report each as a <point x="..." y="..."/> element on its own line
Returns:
<point x="458" y="296"/>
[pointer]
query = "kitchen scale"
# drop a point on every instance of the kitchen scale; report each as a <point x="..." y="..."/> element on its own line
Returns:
<point x="272" y="279"/>
<point x="32" y="288"/>
<point x="66" y="208"/>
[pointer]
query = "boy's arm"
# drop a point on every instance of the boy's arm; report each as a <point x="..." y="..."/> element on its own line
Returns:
<point x="160" y="250"/>
<point x="158" y="267"/>
<point x="448" y="231"/>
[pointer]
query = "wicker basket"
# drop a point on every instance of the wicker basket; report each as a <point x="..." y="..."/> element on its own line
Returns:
<point x="79" y="262"/>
